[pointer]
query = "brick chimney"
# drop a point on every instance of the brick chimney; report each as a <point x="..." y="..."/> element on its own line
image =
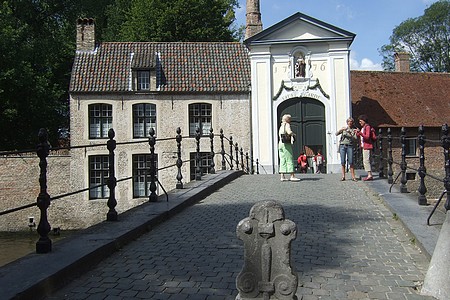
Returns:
<point x="253" y="19"/>
<point x="85" y="34"/>
<point x="401" y="62"/>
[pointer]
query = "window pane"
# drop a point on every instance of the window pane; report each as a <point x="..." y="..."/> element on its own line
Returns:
<point x="98" y="175"/>
<point x="100" y="120"/>
<point x="200" y="116"/>
<point x="141" y="175"/>
<point x="143" y="80"/>
<point x="144" y="118"/>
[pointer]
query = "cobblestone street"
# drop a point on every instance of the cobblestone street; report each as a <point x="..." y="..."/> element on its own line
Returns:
<point x="349" y="246"/>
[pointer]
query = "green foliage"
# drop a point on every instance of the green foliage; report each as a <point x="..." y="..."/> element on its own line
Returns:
<point x="37" y="47"/>
<point x="426" y="38"/>
<point x="34" y="61"/>
<point x="171" y="20"/>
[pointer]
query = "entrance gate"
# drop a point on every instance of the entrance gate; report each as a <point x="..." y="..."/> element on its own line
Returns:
<point x="308" y="122"/>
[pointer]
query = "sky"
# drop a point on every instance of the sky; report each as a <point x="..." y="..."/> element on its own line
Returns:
<point x="371" y="20"/>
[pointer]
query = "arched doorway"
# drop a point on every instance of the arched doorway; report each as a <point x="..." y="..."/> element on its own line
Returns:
<point x="308" y="122"/>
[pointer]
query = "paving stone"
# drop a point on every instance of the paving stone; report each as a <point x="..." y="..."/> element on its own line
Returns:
<point x="348" y="246"/>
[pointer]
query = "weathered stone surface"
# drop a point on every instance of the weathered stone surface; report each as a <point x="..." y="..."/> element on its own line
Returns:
<point x="267" y="271"/>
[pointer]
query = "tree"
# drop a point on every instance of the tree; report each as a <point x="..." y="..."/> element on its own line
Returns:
<point x="37" y="47"/>
<point x="426" y="38"/>
<point x="171" y="20"/>
<point x="34" y="61"/>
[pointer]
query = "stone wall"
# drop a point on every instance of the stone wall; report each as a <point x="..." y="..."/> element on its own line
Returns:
<point x="19" y="186"/>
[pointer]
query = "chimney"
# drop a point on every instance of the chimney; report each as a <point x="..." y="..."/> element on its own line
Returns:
<point x="85" y="34"/>
<point x="401" y="62"/>
<point x="253" y="19"/>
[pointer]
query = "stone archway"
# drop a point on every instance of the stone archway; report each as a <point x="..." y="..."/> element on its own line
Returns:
<point x="308" y="122"/>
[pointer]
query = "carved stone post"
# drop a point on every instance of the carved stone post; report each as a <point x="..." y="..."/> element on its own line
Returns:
<point x="198" y="161"/>
<point x="381" y="164"/>
<point x="44" y="244"/>
<point x="422" y="199"/>
<point x="267" y="272"/>
<point x="212" y="166"/>
<point x="222" y="151"/>
<point x="446" y="144"/>
<point x="152" y="141"/>
<point x="179" y="161"/>
<point x="231" y="153"/>
<point x="112" y="181"/>
<point x="390" y="160"/>
<point x="236" y="148"/>
<point x="403" y="166"/>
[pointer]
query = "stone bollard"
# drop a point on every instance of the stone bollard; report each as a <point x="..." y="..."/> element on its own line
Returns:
<point x="267" y="272"/>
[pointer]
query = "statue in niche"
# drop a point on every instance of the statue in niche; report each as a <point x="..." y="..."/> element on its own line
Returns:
<point x="300" y="67"/>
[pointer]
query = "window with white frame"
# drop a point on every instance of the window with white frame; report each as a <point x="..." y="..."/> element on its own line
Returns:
<point x="98" y="176"/>
<point x="144" y="118"/>
<point x="100" y="120"/>
<point x="143" y="80"/>
<point x="200" y="116"/>
<point x="141" y="174"/>
<point x="205" y="163"/>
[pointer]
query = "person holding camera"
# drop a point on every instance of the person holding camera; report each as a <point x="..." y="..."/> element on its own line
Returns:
<point x="346" y="145"/>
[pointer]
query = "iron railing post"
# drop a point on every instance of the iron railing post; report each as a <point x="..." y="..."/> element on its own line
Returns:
<point x="198" y="161"/>
<point x="112" y="181"/>
<point x="231" y="152"/>
<point x="212" y="165"/>
<point x="222" y="151"/>
<point x="179" y="161"/>
<point x="153" y="197"/>
<point x="422" y="199"/>
<point x="257" y="166"/>
<point x="403" y="165"/>
<point x="236" y="149"/>
<point x="445" y="145"/>
<point x="389" y="159"/>
<point x="381" y="164"/>
<point x="44" y="244"/>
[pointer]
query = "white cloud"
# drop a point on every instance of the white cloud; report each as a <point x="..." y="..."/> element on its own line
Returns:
<point x="345" y="11"/>
<point x="365" y="65"/>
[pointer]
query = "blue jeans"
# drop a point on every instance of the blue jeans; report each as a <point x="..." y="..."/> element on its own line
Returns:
<point x="346" y="150"/>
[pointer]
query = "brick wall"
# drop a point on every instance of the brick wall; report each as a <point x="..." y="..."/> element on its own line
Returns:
<point x="434" y="160"/>
<point x="19" y="186"/>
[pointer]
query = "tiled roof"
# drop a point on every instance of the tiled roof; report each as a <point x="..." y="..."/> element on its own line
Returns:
<point x="394" y="99"/>
<point x="185" y="67"/>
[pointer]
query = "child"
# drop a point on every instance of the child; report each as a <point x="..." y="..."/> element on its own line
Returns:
<point x="302" y="162"/>
<point x="319" y="160"/>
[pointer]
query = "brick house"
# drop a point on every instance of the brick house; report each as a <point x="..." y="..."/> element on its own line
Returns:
<point x="406" y="99"/>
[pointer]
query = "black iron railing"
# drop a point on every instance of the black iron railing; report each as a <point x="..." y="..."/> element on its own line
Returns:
<point x="386" y="161"/>
<point x="44" y="244"/>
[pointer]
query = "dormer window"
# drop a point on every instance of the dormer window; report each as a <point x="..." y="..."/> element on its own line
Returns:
<point x="146" y="72"/>
<point x="143" y="80"/>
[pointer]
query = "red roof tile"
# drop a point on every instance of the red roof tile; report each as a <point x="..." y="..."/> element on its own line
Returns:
<point x="394" y="99"/>
<point x="186" y="67"/>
